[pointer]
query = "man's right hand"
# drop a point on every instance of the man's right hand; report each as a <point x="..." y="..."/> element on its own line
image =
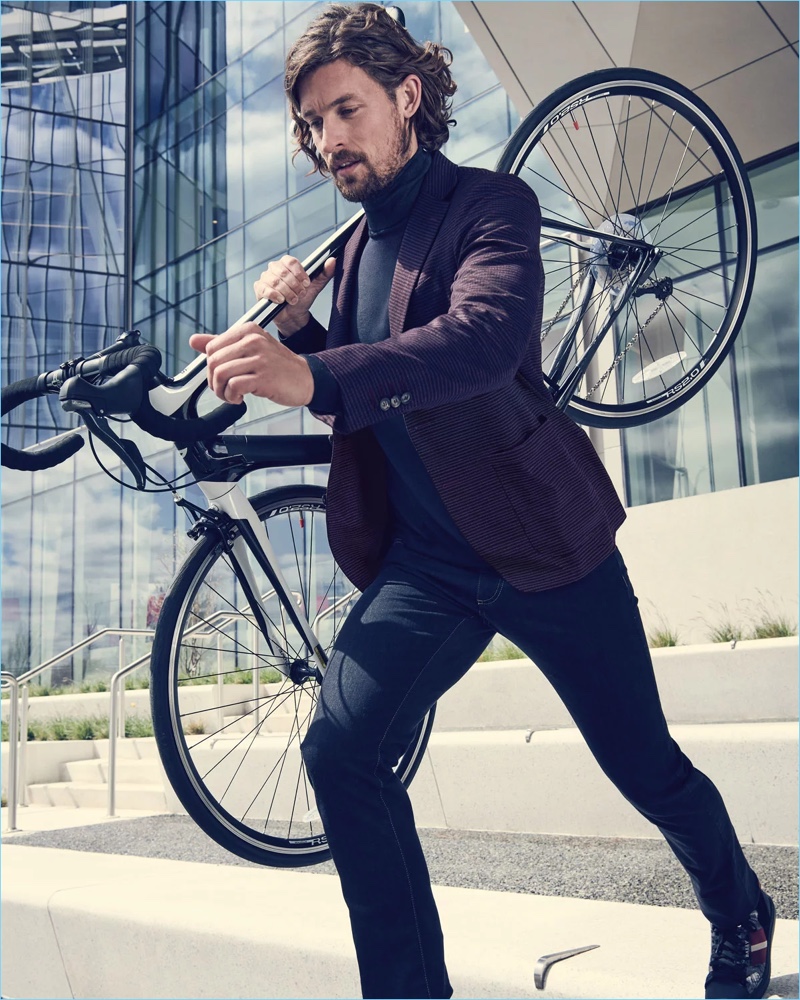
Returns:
<point x="286" y="281"/>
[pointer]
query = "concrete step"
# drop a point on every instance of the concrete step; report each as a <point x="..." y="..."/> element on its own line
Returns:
<point x="137" y="771"/>
<point x="135" y="748"/>
<point x="91" y="795"/>
<point x="541" y="782"/>
<point x="93" y="917"/>
<point x="51" y="794"/>
<point x="548" y="782"/>
<point x="277" y="723"/>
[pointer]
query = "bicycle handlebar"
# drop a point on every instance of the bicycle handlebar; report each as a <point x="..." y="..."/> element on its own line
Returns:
<point x="129" y="372"/>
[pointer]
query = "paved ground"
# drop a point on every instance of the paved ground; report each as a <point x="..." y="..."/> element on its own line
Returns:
<point x="616" y="870"/>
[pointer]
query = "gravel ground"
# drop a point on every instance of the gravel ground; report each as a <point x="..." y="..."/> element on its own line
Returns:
<point x="633" y="871"/>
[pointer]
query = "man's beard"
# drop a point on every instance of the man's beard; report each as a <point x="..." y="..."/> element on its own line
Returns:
<point x="370" y="185"/>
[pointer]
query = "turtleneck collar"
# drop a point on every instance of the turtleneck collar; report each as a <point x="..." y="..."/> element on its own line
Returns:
<point x="392" y="205"/>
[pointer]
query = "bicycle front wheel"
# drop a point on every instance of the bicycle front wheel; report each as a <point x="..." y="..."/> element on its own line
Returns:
<point x="632" y="332"/>
<point x="227" y="722"/>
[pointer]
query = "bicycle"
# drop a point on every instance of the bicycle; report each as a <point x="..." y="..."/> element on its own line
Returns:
<point x="664" y="223"/>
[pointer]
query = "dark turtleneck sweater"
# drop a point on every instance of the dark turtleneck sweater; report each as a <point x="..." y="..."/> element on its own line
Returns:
<point x="420" y="521"/>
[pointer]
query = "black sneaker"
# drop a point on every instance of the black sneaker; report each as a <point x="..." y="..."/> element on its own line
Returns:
<point x="740" y="957"/>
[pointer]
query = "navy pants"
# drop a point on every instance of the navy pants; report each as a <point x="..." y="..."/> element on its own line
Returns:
<point x="414" y="632"/>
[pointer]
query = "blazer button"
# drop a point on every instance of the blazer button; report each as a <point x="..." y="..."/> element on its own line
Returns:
<point x="395" y="401"/>
<point x="385" y="404"/>
<point x="406" y="397"/>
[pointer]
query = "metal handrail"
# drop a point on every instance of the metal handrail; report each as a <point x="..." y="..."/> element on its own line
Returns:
<point x="332" y="608"/>
<point x="23" y="680"/>
<point x="13" y="737"/>
<point x="116" y="716"/>
<point x="18" y="718"/>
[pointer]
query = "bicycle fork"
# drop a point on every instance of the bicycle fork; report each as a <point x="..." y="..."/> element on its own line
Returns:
<point x="253" y="542"/>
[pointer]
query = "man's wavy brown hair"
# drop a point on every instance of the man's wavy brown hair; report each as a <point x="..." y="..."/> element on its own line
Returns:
<point x="365" y="35"/>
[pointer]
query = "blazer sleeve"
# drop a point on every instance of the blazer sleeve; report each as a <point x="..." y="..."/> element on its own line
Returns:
<point x="477" y="343"/>
<point x="308" y="339"/>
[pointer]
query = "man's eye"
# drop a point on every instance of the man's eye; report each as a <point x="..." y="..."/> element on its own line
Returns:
<point x="346" y="112"/>
<point x="315" y="125"/>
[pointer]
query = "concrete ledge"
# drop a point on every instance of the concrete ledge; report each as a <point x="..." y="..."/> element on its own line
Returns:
<point x="498" y="781"/>
<point x="757" y="681"/>
<point x="88" y="925"/>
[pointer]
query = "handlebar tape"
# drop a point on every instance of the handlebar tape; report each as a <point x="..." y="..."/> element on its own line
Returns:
<point x="189" y="430"/>
<point x="20" y="392"/>
<point x="144" y="356"/>
<point x="39" y="456"/>
<point x="177" y="430"/>
<point x="42" y="456"/>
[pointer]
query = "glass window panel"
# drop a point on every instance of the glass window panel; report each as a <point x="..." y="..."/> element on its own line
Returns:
<point x="264" y="149"/>
<point x="299" y="14"/>
<point x="265" y="238"/>
<point x="189" y="280"/>
<point x="234" y="167"/>
<point x="487" y="159"/>
<point x="704" y="437"/>
<point x="262" y="63"/>
<point x="775" y="192"/>
<point x="233" y="29"/>
<point x="481" y="124"/>
<point x="186" y="216"/>
<point x="312" y="213"/>
<point x="261" y="19"/>
<point x="470" y="69"/>
<point x="767" y="370"/>
<point x="423" y="21"/>
<point x="299" y="167"/>
<point x="239" y="299"/>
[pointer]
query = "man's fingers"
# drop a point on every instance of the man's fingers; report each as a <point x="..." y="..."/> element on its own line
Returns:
<point x="284" y="280"/>
<point x="325" y="275"/>
<point x="198" y="341"/>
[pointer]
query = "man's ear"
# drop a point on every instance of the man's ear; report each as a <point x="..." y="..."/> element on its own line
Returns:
<point x="409" y="95"/>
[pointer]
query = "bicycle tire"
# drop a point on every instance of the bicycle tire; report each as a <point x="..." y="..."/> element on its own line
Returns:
<point x="640" y="155"/>
<point x="248" y="791"/>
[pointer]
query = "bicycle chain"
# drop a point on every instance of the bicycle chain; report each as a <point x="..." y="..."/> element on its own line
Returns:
<point x="625" y="349"/>
<point x="557" y="314"/>
<point x="615" y="363"/>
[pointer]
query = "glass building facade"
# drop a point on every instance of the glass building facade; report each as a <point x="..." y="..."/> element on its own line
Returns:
<point x="63" y="215"/>
<point x="212" y="197"/>
<point x="152" y="191"/>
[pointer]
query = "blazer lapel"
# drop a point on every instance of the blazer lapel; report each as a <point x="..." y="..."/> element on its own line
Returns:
<point x="423" y="226"/>
<point x="339" y="326"/>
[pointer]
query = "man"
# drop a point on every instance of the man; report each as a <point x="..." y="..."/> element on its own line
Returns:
<point x="460" y="501"/>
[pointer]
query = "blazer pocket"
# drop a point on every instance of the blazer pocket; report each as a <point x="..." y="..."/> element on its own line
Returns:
<point x="547" y="491"/>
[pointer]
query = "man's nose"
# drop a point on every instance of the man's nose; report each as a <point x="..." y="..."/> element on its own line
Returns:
<point x="331" y="139"/>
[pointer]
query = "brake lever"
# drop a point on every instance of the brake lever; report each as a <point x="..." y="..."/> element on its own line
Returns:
<point x="126" y="451"/>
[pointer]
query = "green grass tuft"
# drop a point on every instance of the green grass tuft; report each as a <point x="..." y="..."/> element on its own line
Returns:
<point x="501" y="649"/>
<point x="92" y="727"/>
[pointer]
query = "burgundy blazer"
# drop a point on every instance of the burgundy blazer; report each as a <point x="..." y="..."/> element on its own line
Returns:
<point x="463" y="365"/>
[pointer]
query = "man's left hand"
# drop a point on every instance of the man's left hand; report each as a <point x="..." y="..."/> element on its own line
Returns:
<point x="245" y="359"/>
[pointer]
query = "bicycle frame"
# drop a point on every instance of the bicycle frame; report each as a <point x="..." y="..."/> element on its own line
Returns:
<point x="648" y="257"/>
<point x="230" y="500"/>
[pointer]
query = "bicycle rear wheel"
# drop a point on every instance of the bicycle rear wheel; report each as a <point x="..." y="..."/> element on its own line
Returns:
<point x="629" y="153"/>
<point x="227" y="723"/>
